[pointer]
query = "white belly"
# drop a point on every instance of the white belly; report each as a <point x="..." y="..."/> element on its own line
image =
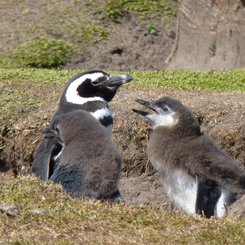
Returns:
<point x="181" y="189"/>
<point x="221" y="206"/>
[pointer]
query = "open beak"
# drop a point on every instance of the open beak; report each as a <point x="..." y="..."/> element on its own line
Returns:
<point x="147" y="104"/>
<point x="118" y="80"/>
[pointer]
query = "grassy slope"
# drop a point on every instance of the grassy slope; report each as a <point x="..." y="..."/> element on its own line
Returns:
<point x="74" y="221"/>
<point x="47" y="33"/>
<point x="66" y="221"/>
<point x="23" y="90"/>
<point x="14" y="85"/>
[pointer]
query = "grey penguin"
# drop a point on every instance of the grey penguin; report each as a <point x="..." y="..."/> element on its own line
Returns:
<point x="89" y="164"/>
<point x="198" y="176"/>
<point x="90" y="91"/>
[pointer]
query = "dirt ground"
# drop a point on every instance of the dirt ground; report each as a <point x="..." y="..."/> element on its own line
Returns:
<point x="130" y="47"/>
<point x="220" y="114"/>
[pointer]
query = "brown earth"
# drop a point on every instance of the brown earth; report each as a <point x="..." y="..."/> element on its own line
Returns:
<point x="129" y="44"/>
<point x="220" y="114"/>
<point x="129" y="47"/>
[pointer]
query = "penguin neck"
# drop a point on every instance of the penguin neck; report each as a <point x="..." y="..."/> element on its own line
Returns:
<point x="178" y="131"/>
<point x="98" y="109"/>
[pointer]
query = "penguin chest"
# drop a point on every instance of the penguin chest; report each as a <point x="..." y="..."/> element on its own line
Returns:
<point x="181" y="189"/>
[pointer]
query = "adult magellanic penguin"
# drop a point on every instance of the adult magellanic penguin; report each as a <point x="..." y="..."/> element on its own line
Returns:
<point x="197" y="175"/>
<point x="90" y="91"/>
<point x="88" y="164"/>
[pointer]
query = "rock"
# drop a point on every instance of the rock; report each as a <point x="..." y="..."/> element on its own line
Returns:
<point x="9" y="209"/>
<point x="237" y="208"/>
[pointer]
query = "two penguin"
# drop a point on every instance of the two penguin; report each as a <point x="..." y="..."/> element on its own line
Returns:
<point x="196" y="174"/>
<point x="77" y="150"/>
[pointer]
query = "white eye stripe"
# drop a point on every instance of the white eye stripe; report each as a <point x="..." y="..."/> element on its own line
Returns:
<point x="72" y="94"/>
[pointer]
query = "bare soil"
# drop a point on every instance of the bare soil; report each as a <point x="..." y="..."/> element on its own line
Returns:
<point x="129" y="47"/>
<point x="220" y="114"/>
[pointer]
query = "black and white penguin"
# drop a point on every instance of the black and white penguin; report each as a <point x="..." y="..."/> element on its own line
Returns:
<point x="198" y="176"/>
<point x="90" y="91"/>
<point x="89" y="164"/>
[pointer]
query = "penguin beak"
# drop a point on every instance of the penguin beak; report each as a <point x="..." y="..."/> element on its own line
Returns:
<point x="147" y="104"/>
<point x="118" y="80"/>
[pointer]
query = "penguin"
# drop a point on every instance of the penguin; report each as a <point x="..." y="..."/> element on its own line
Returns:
<point x="88" y="164"/>
<point x="90" y="91"/>
<point x="198" y="176"/>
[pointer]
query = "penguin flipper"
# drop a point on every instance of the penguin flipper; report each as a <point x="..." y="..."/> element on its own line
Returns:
<point x="208" y="194"/>
<point x="70" y="177"/>
<point x="42" y="163"/>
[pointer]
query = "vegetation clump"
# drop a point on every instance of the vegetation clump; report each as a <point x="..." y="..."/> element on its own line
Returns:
<point x="116" y="9"/>
<point x="44" y="53"/>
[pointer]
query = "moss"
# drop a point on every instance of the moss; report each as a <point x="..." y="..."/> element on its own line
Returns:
<point x="43" y="53"/>
<point x="116" y="9"/>
<point x="49" y="37"/>
<point x="92" y="34"/>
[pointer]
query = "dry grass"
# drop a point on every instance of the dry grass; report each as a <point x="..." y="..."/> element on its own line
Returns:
<point x="63" y="220"/>
<point x="27" y="104"/>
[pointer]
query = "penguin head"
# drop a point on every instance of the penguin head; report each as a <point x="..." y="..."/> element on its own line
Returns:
<point x="75" y="124"/>
<point x="168" y="113"/>
<point x="93" y="86"/>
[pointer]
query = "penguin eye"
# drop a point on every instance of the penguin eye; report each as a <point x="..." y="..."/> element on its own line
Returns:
<point x="165" y="109"/>
<point x="99" y="81"/>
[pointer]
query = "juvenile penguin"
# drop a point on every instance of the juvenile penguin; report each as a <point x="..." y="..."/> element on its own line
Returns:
<point x="88" y="165"/>
<point x="90" y="91"/>
<point x="196" y="174"/>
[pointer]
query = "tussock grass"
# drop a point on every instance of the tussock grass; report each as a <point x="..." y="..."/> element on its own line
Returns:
<point x="64" y="220"/>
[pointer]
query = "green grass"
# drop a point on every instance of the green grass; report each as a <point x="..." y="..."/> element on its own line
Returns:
<point x="187" y="80"/>
<point x="69" y="27"/>
<point x="23" y="89"/>
<point x="43" y="53"/>
<point x="71" y="221"/>
<point x="64" y="27"/>
<point x="220" y="81"/>
<point x="143" y="8"/>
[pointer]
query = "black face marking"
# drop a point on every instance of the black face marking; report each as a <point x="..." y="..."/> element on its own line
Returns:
<point x="87" y="89"/>
<point x="106" y="121"/>
<point x="99" y="81"/>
